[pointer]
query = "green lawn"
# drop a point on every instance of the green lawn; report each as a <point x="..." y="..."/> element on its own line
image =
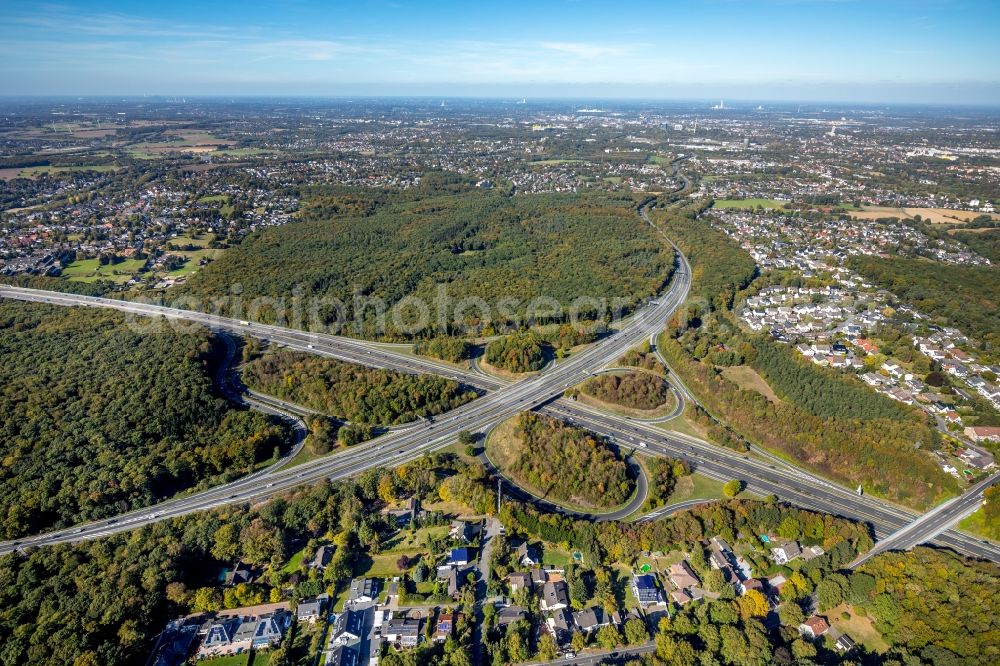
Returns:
<point x="294" y="562"/>
<point x="90" y="270"/>
<point x="229" y="660"/>
<point x="747" y="203"/>
<point x="382" y="565"/>
<point x="408" y="542"/>
<point x="555" y="556"/>
<point x="212" y="198"/>
<point x="695" y="486"/>
<point x="976" y="524"/>
<point x="859" y="627"/>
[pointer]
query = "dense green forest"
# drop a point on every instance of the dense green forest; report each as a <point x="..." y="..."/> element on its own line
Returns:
<point x="967" y="297"/>
<point x="353" y="392"/>
<point x="474" y="244"/>
<point x="96" y="288"/>
<point x="826" y="421"/>
<point x="642" y="357"/>
<point x="822" y="392"/>
<point x="719" y="268"/>
<point x="560" y="462"/>
<point x="933" y="605"/>
<point x="636" y="390"/>
<point x="80" y="440"/>
<point x="985" y="243"/>
<point x="564" y="336"/>
<point x="523" y="351"/>
<point x="445" y="348"/>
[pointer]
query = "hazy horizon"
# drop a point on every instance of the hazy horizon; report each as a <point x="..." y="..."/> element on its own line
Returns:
<point x="890" y="52"/>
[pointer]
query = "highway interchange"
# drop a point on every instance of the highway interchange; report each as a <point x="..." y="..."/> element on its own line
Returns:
<point x="501" y="400"/>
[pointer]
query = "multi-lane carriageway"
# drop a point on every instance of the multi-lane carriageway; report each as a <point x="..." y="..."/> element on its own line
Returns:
<point x="500" y="401"/>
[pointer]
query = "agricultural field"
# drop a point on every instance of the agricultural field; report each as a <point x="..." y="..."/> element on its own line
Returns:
<point x="91" y="270"/>
<point x="932" y="215"/>
<point x="36" y="171"/>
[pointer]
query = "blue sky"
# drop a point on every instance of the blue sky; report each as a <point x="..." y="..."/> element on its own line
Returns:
<point x="891" y="51"/>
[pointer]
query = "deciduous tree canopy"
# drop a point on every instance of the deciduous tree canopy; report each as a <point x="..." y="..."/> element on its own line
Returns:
<point x="563" y="463"/>
<point x="477" y="244"/>
<point x="353" y="392"/>
<point x="80" y="438"/>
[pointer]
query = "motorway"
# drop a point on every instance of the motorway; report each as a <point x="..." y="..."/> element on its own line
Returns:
<point x="502" y="400"/>
<point x="393" y="448"/>
<point x="932" y="523"/>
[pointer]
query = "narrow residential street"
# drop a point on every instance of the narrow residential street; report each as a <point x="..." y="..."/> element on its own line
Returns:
<point x="492" y="529"/>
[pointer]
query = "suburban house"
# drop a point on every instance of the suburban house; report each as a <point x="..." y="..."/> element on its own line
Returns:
<point x="459" y="557"/>
<point x="264" y="631"/>
<point x="463" y="530"/>
<point x="591" y="619"/>
<point x="786" y="552"/>
<point x="528" y="555"/>
<point x="519" y="580"/>
<point x="844" y="643"/>
<point x="645" y="590"/>
<point x="682" y="576"/>
<point x="814" y="627"/>
<point x="402" y="632"/>
<point x="363" y="590"/>
<point x="680" y="597"/>
<point x="510" y="615"/>
<point x="220" y="636"/>
<point x="983" y="433"/>
<point x="309" y="610"/>
<point x="560" y="626"/>
<point x="240" y="573"/>
<point x="241" y="629"/>
<point x="348" y="627"/>
<point x="977" y="457"/>
<point x="454" y="576"/>
<point x="444" y="627"/>
<point x="555" y="595"/>
<point x="322" y="558"/>
<point x="751" y="584"/>
<point x="341" y="655"/>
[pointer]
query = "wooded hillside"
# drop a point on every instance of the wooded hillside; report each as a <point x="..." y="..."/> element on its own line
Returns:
<point x="967" y="297"/>
<point x="476" y="243"/>
<point x="353" y="392"/>
<point x="80" y="440"/>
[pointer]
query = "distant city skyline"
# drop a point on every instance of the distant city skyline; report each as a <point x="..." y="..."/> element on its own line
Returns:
<point x="920" y="51"/>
